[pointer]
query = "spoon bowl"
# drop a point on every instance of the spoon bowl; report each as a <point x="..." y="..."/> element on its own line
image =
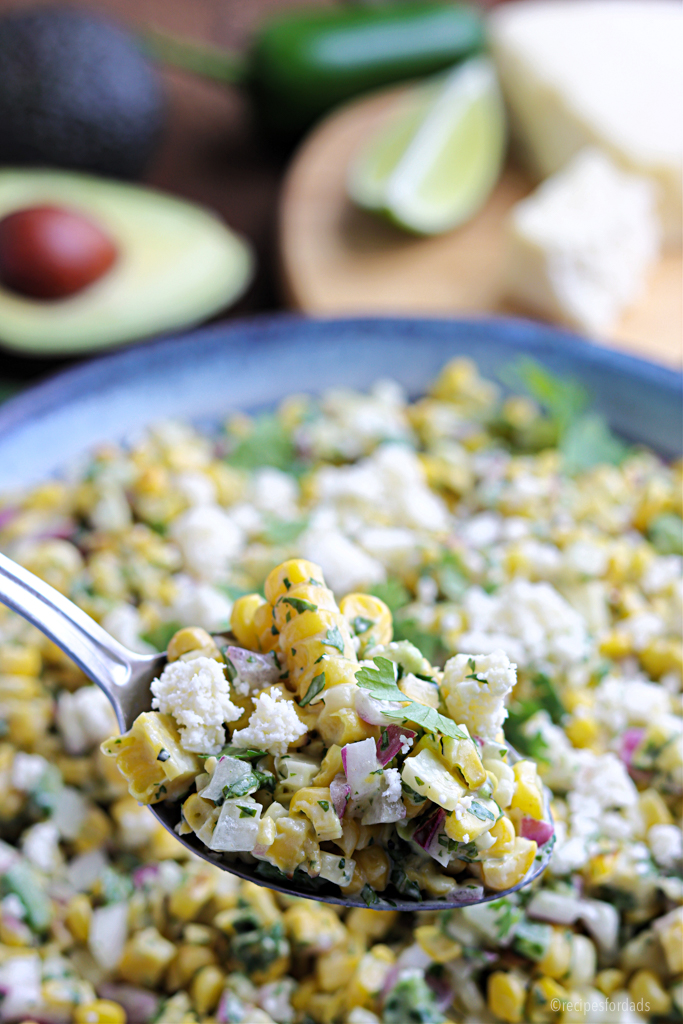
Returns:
<point x="125" y="677"/>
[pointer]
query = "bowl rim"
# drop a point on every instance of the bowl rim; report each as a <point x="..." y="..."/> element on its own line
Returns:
<point x="57" y="387"/>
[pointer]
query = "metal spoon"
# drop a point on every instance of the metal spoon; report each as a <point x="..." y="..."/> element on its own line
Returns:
<point x="125" y="678"/>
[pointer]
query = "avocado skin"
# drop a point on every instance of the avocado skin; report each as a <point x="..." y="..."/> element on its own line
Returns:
<point x="76" y="92"/>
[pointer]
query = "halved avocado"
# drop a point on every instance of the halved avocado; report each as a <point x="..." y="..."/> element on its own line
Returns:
<point x="177" y="265"/>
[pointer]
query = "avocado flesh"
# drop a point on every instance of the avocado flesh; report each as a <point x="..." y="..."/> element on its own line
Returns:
<point x="177" y="265"/>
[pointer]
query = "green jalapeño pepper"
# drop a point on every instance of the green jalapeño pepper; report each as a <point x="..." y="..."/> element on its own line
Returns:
<point x="304" y="62"/>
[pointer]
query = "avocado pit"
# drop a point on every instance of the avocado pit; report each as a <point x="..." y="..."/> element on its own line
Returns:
<point x="50" y="252"/>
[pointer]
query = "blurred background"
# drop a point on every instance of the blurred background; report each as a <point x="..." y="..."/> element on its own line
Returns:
<point x="213" y="151"/>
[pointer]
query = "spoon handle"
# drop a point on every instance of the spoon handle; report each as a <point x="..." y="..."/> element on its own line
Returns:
<point x="108" y="663"/>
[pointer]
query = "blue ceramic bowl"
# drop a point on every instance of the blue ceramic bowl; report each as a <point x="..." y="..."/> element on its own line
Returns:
<point x="251" y="364"/>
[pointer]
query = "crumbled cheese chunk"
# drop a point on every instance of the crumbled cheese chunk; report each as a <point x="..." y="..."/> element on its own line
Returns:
<point x="582" y="244"/>
<point x="531" y="622"/>
<point x="199" y="603"/>
<point x="40" y="844"/>
<point x="273" y="724"/>
<point x="666" y="843"/>
<point x="197" y="694"/>
<point x="209" y="539"/>
<point x="27" y="771"/>
<point x="125" y="624"/>
<point x="85" y="718"/>
<point x="576" y="72"/>
<point x="479" y="702"/>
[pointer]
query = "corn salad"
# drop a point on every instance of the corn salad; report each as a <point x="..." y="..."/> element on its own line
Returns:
<point x="484" y="523"/>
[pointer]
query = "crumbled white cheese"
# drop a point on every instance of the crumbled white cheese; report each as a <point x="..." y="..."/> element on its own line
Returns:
<point x="40" y="844"/>
<point x="196" y="487"/>
<point x="351" y="424"/>
<point x="275" y="999"/>
<point x="27" y="771"/>
<point x="577" y="72"/>
<point x="84" y="718"/>
<point x="583" y="243"/>
<point x="209" y="540"/>
<point x="479" y="702"/>
<point x="621" y="702"/>
<point x="197" y="694"/>
<point x="275" y="492"/>
<point x="531" y="622"/>
<point x="346" y="566"/>
<point x="199" y="603"/>
<point x="125" y="624"/>
<point x="273" y="724"/>
<point x="666" y="843"/>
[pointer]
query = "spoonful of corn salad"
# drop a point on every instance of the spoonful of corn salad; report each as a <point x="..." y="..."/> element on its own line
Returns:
<point x="308" y="752"/>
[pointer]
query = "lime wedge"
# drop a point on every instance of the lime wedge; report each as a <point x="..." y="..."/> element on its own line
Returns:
<point x="434" y="163"/>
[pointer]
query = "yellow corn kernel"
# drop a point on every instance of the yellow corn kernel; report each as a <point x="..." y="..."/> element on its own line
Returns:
<point x="201" y="816"/>
<point x="289" y="574"/>
<point x="336" y="967"/>
<point x="467" y="825"/>
<point x="429" y="876"/>
<point x="294" y="844"/>
<point x="195" y="890"/>
<point x="600" y="868"/>
<point x="510" y="869"/>
<point x="315" y="927"/>
<point x="546" y="999"/>
<point x="528" y="796"/>
<point x="662" y="655"/>
<point x="420" y="691"/>
<point x="194" y="640"/>
<point x="367" y="982"/>
<point x="350" y="835"/>
<point x="27" y="722"/>
<point x="368" y="618"/>
<point x="188" y="960"/>
<point x="331" y="766"/>
<point x="242" y="620"/>
<point x="162" y="845"/>
<point x="229" y="482"/>
<point x="657" y="497"/>
<point x="94" y="832"/>
<point x="311" y="622"/>
<point x="436" y="944"/>
<point x="653" y="809"/>
<point x="557" y="959"/>
<point x="344" y="726"/>
<point x="370" y="925"/>
<point x="265" y="628"/>
<point x="78" y="916"/>
<point x="100" y="1011"/>
<point x="19" y="660"/>
<point x="610" y="980"/>
<point x="306" y="597"/>
<point x="583" y="731"/>
<point x="15" y="933"/>
<point x="146" y="956"/>
<point x="375" y="865"/>
<point x="504" y="833"/>
<point x="206" y="988"/>
<point x="616" y="644"/>
<point x="505" y="996"/>
<point x="316" y="803"/>
<point x="326" y="1007"/>
<point x="670" y="933"/>
<point x="645" y="985"/>
<point x="137" y="758"/>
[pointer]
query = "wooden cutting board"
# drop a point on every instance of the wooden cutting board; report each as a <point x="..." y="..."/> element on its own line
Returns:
<point x="338" y="260"/>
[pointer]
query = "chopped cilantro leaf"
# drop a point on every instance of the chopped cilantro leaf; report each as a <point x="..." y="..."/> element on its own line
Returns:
<point x="481" y="812"/>
<point x="334" y="639"/>
<point x="381" y="684"/>
<point x="268" y="444"/>
<point x="393" y="593"/>
<point x="299" y="605"/>
<point x="361" y="625"/>
<point x="369" y="895"/>
<point x="163" y="755"/>
<point x="325" y="804"/>
<point x="317" y="684"/>
<point x="247" y="812"/>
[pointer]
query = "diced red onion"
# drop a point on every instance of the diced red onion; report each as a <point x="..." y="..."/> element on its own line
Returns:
<point x="442" y="990"/>
<point x="340" y="791"/>
<point x="425" y="835"/>
<point x="479" y="740"/>
<point x="539" y="831"/>
<point x="7" y="515"/>
<point x="630" y="740"/>
<point x="361" y="767"/>
<point x="393" y="745"/>
<point x="140" y="1004"/>
<point x="255" y="669"/>
<point x="145" y="875"/>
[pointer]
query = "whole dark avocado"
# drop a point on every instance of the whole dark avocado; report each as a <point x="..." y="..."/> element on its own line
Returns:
<point x="76" y="92"/>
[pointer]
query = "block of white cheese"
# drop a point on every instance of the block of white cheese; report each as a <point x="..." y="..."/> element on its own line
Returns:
<point x="581" y="244"/>
<point x="606" y="72"/>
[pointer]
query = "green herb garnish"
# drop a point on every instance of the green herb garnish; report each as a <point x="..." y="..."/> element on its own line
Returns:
<point x="380" y="682"/>
<point x="317" y="684"/>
